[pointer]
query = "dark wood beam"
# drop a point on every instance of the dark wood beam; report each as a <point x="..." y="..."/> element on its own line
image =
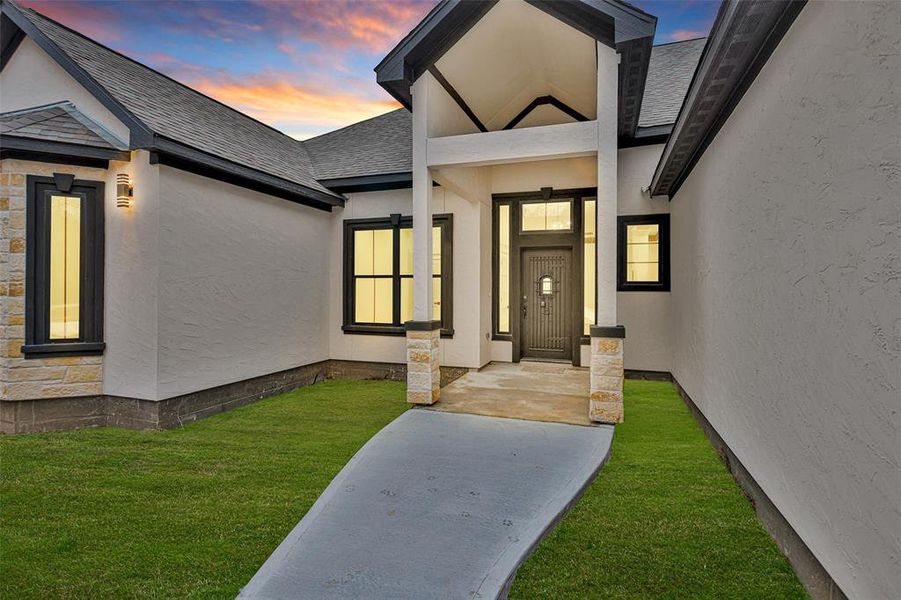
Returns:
<point x="540" y="101"/>
<point x="457" y="98"/>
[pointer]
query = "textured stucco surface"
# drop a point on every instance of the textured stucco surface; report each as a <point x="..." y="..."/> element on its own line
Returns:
<point x="241" y="281"/>
<point x="787" y="289"/>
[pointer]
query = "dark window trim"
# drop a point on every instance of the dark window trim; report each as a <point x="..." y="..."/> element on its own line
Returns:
<point x="573" y="239"/>
<point x="37" y="293"/>
<point x="398" y="222"/>
<point x="663" y="285"/>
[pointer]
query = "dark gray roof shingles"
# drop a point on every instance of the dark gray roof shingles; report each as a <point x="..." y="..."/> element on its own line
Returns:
<point x="669" y="75"/>
<point x="56" y="123"/>
<point x="182" y="114"/>
<point x="377" y="146"/>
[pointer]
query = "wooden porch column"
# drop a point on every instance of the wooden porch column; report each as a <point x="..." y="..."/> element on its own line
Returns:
<point x="606" y="389"/>
<point x="423" y="372"/>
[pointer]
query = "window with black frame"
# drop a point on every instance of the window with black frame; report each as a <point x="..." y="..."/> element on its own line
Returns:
<point x="64" y="267"/>
<point x="643" y="253"/>
<point x="378" y="274"/>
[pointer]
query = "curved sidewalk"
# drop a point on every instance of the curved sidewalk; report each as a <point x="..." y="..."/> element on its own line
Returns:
<point x="436" y="505"/>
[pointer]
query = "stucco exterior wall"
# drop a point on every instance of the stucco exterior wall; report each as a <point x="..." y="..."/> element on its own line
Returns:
<point x="786" y="289"/>
<point x="31" y="78"/>
<point x="241" y="282"/>
<point x="645" y="315"/>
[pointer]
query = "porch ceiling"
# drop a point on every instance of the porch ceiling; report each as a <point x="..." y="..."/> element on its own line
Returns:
<point x="517" y="53"/>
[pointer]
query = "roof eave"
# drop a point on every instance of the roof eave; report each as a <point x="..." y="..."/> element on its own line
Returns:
<point x="728" y="66"/>
<point x="13" y="146"/>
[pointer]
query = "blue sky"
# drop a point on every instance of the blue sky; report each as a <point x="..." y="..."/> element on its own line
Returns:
<point x="302" y="66"/>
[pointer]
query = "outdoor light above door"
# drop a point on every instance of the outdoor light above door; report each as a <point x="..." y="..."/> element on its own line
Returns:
<point x="124" y="191"/>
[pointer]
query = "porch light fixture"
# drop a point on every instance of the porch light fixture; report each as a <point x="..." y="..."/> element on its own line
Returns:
<point x="124" y="191"/>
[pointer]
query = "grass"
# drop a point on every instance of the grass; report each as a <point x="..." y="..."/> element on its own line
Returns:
<point x="194" y="512"/>
<point x="664" y="519"/>
<point x="191" y="512"/>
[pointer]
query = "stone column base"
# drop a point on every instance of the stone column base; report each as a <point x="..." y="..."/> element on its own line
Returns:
<point x="423" y="372"/>
<point x="605" y="403"/>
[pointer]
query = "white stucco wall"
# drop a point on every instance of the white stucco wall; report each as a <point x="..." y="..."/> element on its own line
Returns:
<point x="31" y="78"/>
<point x="645" y="315"/>
<point x="242" y="281"/>
<point x="786" y="289"/>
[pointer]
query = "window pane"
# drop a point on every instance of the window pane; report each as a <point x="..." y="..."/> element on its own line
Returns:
<point x="65" y="270"/>
<point x="503" y="277"/>
<point x="406" y="299"/>
<point x="436" y="250"/>
<point x="589" y="261"/>
<point x="643" y="253"/>
<point x="373" y="252"/>
<point x="373" y="300"/>
<point x="559" y="216"/>
<point x="406" y="251"/>
<point x="436" y="298"/>
<point x="547" y="216"/>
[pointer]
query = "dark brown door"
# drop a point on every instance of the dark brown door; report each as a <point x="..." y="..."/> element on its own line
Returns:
<point x="546" y="303"/>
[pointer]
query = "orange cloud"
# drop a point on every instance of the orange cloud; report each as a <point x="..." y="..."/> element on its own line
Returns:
<point x="686" y="34"/>
<point x="294" y="108"/>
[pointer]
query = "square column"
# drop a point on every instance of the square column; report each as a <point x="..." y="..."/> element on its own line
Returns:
<point x="605" y="402"/>
<point x="423" y="333"/>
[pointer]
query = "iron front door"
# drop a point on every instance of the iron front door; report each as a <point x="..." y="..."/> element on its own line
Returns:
<point x="546" y="303"/>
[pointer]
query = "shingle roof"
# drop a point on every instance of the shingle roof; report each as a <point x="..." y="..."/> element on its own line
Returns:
<point x="177" y="112"/>
<point x="377" y="146"/>
<point x="57" y="123"/>
<point x="669" y="75"/>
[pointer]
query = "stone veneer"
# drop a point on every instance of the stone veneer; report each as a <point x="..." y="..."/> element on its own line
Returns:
<point x="21" y="379"/>
<point x="423" y="371"/>
<point x="605" y="404"/>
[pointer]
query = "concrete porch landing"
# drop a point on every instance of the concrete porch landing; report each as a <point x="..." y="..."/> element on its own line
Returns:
<point x="534" y="391"/>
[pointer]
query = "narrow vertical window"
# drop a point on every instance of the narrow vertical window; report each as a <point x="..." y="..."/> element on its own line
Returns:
<point x="503" y="276"/>
<point x="589" y="260"/>
<point x="64" y="267"/>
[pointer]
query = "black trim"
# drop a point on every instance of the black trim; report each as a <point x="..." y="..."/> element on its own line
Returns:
<point x="646" y="136"/>
<point x="37" y="265"/>
<point x="179" y="156"/>
<point x="452" y="92"/>
<point x="422" y="325"/>
<point x="370" y="183"/>
<point x="572" y="240"/>
<point x="396" y="222"/>
<point x="14" y="146"/>
<point x="743" y="37"/>
<point x="663" y="283"/>
<point x="617" y="331"/>
<point x="541" y="101"/>
<point x="11" y="35"/>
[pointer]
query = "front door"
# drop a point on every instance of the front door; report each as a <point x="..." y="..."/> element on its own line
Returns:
<point x="546" y="303"/>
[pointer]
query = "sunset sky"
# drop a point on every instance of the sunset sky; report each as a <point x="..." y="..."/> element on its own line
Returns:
<point x="304" y="67"/>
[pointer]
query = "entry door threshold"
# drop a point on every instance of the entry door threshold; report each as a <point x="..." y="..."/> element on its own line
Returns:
<point x="556" y="361"/>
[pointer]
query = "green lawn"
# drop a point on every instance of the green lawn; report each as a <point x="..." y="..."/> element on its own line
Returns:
<point x="194" y="512"/>
<point x="664" y="519"/>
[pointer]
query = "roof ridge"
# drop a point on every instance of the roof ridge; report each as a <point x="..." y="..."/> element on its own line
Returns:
<point x="321" y="135"/>
<point x="149" y="68"/>
<point x="703" y="37"/>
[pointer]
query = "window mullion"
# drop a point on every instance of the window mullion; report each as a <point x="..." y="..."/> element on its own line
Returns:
<point x="395" y="266"/>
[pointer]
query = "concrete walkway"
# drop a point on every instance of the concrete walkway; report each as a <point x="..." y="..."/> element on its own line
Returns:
<point x="436" y="505"/>
<point x="536" y="391"/>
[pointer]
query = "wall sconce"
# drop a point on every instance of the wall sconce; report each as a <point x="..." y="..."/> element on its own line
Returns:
<point x="124" y="191"/>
